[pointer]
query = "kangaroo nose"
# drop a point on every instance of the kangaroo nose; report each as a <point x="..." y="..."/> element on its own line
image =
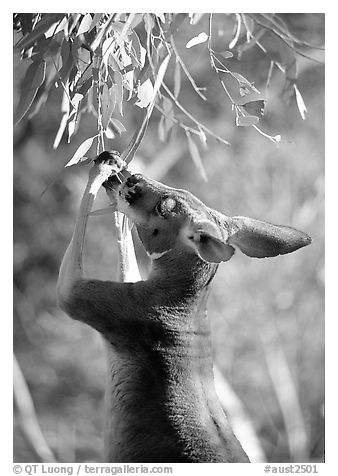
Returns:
<point x="131" y="181"/>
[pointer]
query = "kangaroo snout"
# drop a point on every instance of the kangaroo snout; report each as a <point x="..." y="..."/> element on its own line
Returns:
<point x="131" y="190"/>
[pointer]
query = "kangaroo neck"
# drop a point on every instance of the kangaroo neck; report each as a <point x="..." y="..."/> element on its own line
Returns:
<point x="185" y="272"/>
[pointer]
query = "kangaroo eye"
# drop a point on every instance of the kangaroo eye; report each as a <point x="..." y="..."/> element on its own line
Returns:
<point x="165" y="206"/>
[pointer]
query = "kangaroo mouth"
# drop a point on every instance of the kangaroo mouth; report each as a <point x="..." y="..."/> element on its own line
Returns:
<point x="116" y="180"/>
<point x="131" y="196"/>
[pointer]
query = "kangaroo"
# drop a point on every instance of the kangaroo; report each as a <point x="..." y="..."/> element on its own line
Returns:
<point x="162" y="404"/>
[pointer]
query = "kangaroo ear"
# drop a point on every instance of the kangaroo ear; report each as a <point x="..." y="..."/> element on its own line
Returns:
<point x="205" y="238"/>
<point x="259" y="239"/>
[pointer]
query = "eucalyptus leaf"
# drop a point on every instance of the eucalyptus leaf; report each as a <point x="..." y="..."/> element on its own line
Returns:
<point x="300" y="103"/>
<point x="42" y="26"/>
<point x="246" y="121"/>
<point x="145" y="94"/>
<point x="80" y="152"/>
<point x="85" y="24"/>
<point x="117" y="126"/>
<point x="195" y="155"/>
<point x="177" y="79"/>
<point x="201" y="38"/>
<point x="33" y="79"/>
<point x="108" y="105"/>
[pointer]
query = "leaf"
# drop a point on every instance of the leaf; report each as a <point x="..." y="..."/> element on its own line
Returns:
<point x="84" y="59"/>
<point x="128" y="153"/>
<point x="145" y="94"/>
<point x="108" y="104"/>
<point x="159" y="78"/>
<point x="239" y="88"/>
<point x="255" y="108"/>
<point x="96" y="19"/>
<point x="87" y="74"/>
<point x="40" y="100"/>
<point x="42" y="26"/>
<point x="195" y="18"/>
<point x="243" y="81"/>
<point x="128" y="76"/>
<point x="33" y="79"/>
<point x="64" y="120"/>
<point x="61" y="25"/>
<point x="85" y="24"/>
<point x="161" y="17"/>
<point x="119" y="91"/>
<point x="195" y="155"/>
<point x="85" y="87"/>
<point x="300" y="103"/>
<point x="148" y="22"/>
<point x="203" y="138"/>
<point x="67" y="60"/>
<point x="109" y="133"/>
<point x="169" y="114"/>
<point x="226" y="54"/>
<point x="97" y="41"/>
<point x="138" y="135"/>
<point x="118" y="26"/>
<point x="81" y="150"/>
<point x="114" y="62"/>
<point x="238" y="31"/>
<point x="176" y="23"/>
<point x="140" y="52"/>
<point x="117" y="126"/>
<point x="177" y="79"/>
<point x="108" y="48"/>
<point x="26" y="20"/>
<point x="71" y="124"/>
<point x="50" y="32"/>
<point x="136" y="20"/>
<point x="249" y="25"/>
<point x="161" y="132"/>
<point x="59" y="134"/>
<point x="72" y="26"/>
<point x="201" y="38"/>
<point x="246" y="121"/>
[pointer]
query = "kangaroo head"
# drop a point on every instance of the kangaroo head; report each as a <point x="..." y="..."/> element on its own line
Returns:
<point x="171" y="219"/>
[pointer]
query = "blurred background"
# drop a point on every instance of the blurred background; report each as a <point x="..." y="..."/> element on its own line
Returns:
<point x="267" y="316"/>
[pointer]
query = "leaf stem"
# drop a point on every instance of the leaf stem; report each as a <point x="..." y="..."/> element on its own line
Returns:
<point x="185" y="69"/>
<point x="293" y="48"/>
<point x="190" y="116"/>
<point x="177" y="121"/>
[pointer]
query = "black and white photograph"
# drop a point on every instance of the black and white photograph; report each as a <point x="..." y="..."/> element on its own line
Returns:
<point x="168" y="176"/>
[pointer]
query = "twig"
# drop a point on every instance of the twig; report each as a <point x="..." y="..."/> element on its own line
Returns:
<point x="296" y="50"/>
<point x="284" y="31"/>
<point x="274" y="139"/>
<point x="162" y="35"/>
<point x="191" y="79"/>
<point x="187" y="113"/>
<point x="213" y="64"/>
<point x="177" y="121"/>
<point x="152" y="67"/>
<point x="268" y="79"/>
<point x="225" y="70"/>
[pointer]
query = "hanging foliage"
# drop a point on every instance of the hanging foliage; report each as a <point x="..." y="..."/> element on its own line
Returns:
<point x="101" y="61"/>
